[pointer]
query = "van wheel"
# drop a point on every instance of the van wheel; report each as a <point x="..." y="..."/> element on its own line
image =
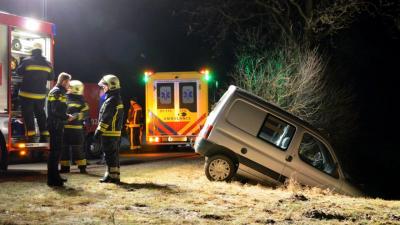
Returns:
<point x="3" y="154"/>
<point x="219" y="168"/>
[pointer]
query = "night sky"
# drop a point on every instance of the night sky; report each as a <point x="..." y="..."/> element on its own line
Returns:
<point x="125" y="37"/>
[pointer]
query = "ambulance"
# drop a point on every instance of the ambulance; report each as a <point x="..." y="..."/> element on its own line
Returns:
<point x="176" y="106"/>
<point x="17" y="36"/>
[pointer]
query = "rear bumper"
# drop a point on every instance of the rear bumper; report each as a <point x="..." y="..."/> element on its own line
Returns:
<point x="29" y="146"/>
<point x="204" y="147"/>
<point x="170" y="140"/>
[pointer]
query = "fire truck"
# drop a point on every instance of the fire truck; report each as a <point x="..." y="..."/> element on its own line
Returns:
<point x="17" y="35"/>
<point x="176" y="106"/>
<point x="92" y="94"/>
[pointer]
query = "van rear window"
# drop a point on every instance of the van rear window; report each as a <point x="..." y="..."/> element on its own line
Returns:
<point x="165" y="95"/>
<point x="188" y="96"/>
<point x="276" y="132"/>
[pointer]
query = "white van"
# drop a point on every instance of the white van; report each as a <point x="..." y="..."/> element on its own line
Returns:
<point x="248" y="136"/>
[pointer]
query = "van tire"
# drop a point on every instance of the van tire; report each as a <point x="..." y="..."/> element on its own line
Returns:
<point x="3" y="154"/>
<point x="219" y="168"/>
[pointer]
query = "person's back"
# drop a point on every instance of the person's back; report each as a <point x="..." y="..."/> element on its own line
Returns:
<point x="73" y="138"/>
<point x="35" y="72"/>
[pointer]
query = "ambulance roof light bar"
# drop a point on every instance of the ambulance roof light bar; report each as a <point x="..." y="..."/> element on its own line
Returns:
<point x="207" y="74"/>
<point x="146" y="76"/>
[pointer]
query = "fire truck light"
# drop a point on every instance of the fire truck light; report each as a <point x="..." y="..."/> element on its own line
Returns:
<point x="21" y="145"/>
<point x="151" y="139"/>
<point x="170" y="139"/>
<point x="157" y="139"/>
<point x="32" y="25"/>
<point x="22" y="153"/>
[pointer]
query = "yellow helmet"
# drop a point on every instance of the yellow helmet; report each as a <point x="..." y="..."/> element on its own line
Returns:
<point x="111" y="81"/>
<point x="76" y="87"/>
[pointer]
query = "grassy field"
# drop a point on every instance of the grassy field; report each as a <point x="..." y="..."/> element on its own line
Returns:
<point x="177" y="192"/>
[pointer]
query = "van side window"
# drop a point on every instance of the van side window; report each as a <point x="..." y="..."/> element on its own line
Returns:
<point x="315" y="153"/>
<point x="277" y="132"/>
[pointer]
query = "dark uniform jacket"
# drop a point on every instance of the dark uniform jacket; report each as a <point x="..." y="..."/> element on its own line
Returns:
<point x="35" y="72"/>
<point x="57" y="108"/>
<point x="111" y="116"/>
<point x="79" y="108"/>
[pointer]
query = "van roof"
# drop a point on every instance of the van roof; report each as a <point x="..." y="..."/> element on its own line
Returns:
<point x="245" y="94"/>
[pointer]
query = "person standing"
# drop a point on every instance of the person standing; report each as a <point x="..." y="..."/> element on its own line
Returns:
<point x="74" y="131"/>
<point x="111" y="118"/>
<point x="35" y="72"/>
<point x="57" y="118"/>
<point x="134" y="124"/>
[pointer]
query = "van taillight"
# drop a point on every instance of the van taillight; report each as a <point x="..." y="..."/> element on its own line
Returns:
<point x="207" y="133"/>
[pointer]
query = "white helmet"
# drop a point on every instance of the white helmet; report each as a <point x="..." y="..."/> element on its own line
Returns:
<point x="111" y="81"/>
<point x="76" y="87"/>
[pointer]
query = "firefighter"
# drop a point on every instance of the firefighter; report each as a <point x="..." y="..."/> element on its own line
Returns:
<point x="74" y="130"/>
<point x="110" y="125"/>
<point x="35" y="72"/>
<point x="57" y="118"/>
<point x="134" y="124"/>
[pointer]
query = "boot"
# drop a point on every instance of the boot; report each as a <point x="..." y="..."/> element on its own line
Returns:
<point x="55" y="183"/>
<point x="54" y="180"/>
<point x="108" y="179"/>
<point x="65" y="169"/>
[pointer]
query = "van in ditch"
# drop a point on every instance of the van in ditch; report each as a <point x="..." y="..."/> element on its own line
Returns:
<point x="247" y="136"/>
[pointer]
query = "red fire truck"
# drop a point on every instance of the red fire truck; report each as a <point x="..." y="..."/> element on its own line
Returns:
<point x="17" y="36"/>
<point x="92" y="94"/>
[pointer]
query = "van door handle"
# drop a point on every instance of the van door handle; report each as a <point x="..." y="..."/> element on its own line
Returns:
<point x="243" y="150"/>
<point x="289" y="158"/>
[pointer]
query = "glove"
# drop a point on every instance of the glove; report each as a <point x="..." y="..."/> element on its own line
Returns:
<point x="96" y="135"/>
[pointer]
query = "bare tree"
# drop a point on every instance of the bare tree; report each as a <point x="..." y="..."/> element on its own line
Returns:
<point x="294" y="78"/>
<point x="297" y="20"/>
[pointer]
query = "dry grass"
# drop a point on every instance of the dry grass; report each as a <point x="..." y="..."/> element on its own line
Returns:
<point x="177" y="192"/>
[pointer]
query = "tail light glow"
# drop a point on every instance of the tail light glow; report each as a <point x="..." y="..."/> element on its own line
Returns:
<point x="22" y="153"/>
<point x="21" y="145"/>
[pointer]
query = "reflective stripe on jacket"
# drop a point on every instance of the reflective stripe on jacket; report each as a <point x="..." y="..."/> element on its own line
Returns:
<point x="111" y="115"/>
<point x="35" y="72"/>
<point x="57" y="108"/>
<point x="79" y="108"/>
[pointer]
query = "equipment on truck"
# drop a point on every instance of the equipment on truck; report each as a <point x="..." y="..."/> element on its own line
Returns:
<point x="20" y="35"/>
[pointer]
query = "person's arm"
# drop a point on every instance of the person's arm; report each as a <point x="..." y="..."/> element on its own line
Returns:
<point x="51" y="75"/>
<point x="21" y="68"/>
<point x="84" y="114"/>
<point x="106" y="119"/>
<point x="56" y="103"/>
